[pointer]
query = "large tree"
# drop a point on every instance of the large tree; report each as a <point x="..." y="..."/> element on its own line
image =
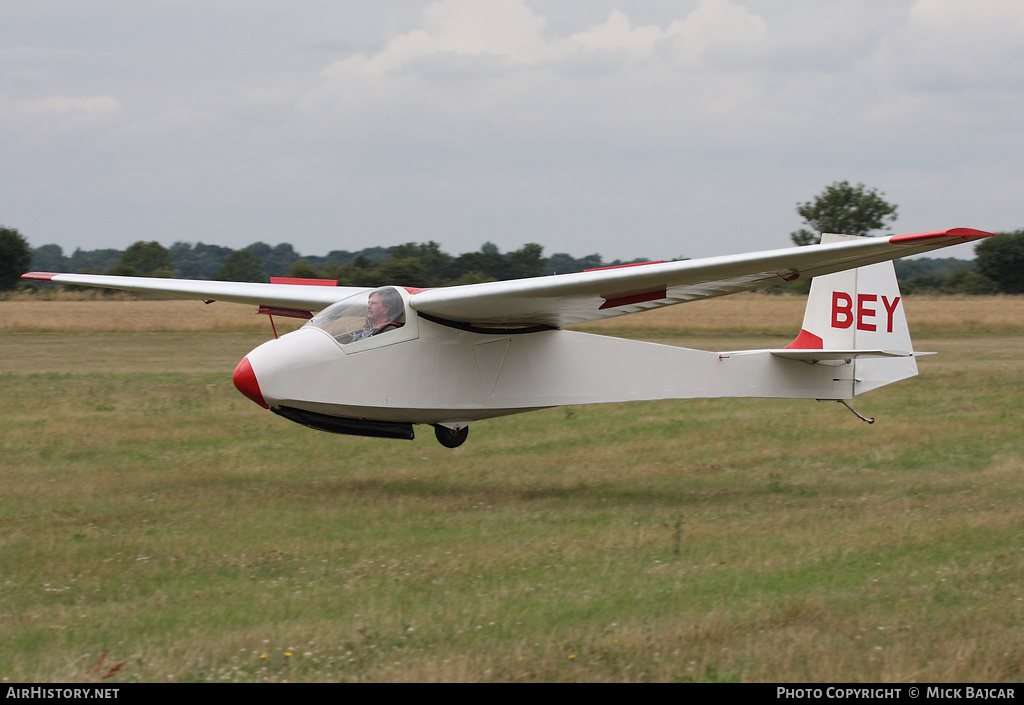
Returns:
<point x="49" y="258"/>
<point x="488" y="263"/>
<point x="528" y="261"/>
<point x="145" y="259"/>
<point x="275" y="260"/>
<point x="93" y="261"/>
<point x="15" y="257"/>
<point x="197" y="261"/>
<point x="435" y="264"/>
<point x="241" y="266"/>
<point x="846" y="209"/>
<point x="1001" y="259"/>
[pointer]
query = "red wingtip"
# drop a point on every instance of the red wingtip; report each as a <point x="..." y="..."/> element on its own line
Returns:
<point x="245" y="381"/>
<point x="40" y="276"/>
<point x="967" y="234"/>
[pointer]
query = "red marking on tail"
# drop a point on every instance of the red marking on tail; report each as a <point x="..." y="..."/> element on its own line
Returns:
<point x="806" y="341"/>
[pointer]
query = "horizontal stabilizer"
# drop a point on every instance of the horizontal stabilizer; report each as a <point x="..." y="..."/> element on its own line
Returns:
<point x="815" y="355"/>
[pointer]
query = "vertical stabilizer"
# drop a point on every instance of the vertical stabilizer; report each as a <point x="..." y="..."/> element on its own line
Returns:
<point x="860" y="310"/>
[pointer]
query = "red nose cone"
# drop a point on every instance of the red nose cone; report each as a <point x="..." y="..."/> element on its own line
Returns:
<point x="245" y="381"/>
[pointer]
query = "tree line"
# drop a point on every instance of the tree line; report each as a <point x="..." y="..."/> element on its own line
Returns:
<point x="998" y="267"/>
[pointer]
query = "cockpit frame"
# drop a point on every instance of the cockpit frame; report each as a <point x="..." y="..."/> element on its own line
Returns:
<point x="343" y="324"/>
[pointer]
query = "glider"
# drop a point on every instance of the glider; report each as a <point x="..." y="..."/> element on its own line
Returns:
<point x="375" y="362"/>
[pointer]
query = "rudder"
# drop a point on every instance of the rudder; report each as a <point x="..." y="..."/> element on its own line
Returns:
<point x="860" y="310"/>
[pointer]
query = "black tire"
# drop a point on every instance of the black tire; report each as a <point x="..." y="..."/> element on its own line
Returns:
<point x="449" y="438"/>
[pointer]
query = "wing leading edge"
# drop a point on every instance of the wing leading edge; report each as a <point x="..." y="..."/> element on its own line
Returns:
<point x="587" y="296"/>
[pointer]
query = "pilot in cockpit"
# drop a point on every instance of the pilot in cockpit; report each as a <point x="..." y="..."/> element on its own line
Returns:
<point x="384" y="311"/>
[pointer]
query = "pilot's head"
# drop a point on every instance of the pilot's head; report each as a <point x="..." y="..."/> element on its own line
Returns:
<point x="384" y="305"/>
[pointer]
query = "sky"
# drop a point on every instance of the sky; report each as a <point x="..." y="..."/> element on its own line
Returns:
<point x="628" y="128"/>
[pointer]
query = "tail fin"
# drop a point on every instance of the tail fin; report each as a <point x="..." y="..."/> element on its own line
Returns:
<point x="860" y="311"/>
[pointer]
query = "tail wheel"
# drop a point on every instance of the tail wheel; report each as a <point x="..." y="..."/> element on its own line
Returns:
<point x="451" y="438"/>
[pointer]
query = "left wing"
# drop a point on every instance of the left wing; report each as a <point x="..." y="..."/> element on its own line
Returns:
<point x="295" y="296"/>
<point x="587" y="296"/>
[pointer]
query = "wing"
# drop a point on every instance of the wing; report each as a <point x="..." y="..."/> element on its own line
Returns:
<point x="565" y="299"/>
<point x="296" y="296"/>
<point x="587" y="296"/>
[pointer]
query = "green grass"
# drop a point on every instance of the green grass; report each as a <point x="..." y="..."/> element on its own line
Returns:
<point x="151" y="513"/>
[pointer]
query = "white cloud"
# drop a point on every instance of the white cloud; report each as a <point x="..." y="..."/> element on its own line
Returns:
<point x="715" y="24"/>
<point x="491" y="66"/>
<point x="958" y="42"/>
<point x="59" y="115"/>
<point x="62" y="105"/>
<point x="505" y="28"/>
<point x="510" y="30"/>
<point x="991" y="21"/>
<point x="616" y="34"/>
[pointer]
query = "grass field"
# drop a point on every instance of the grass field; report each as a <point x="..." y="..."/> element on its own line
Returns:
<point x="155" y="521"/>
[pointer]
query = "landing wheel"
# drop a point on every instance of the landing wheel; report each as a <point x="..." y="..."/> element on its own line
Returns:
<point x="450" y="438"/>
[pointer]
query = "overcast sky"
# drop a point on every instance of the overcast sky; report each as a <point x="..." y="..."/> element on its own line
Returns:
<point x="624" y="127"/>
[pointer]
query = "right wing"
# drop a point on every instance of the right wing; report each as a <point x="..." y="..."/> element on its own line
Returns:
<point x="566" y="299"/>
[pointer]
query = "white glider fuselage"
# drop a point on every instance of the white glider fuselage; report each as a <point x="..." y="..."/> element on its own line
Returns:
<point x="855" y="338"/>
<point x="451" y="377"/>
